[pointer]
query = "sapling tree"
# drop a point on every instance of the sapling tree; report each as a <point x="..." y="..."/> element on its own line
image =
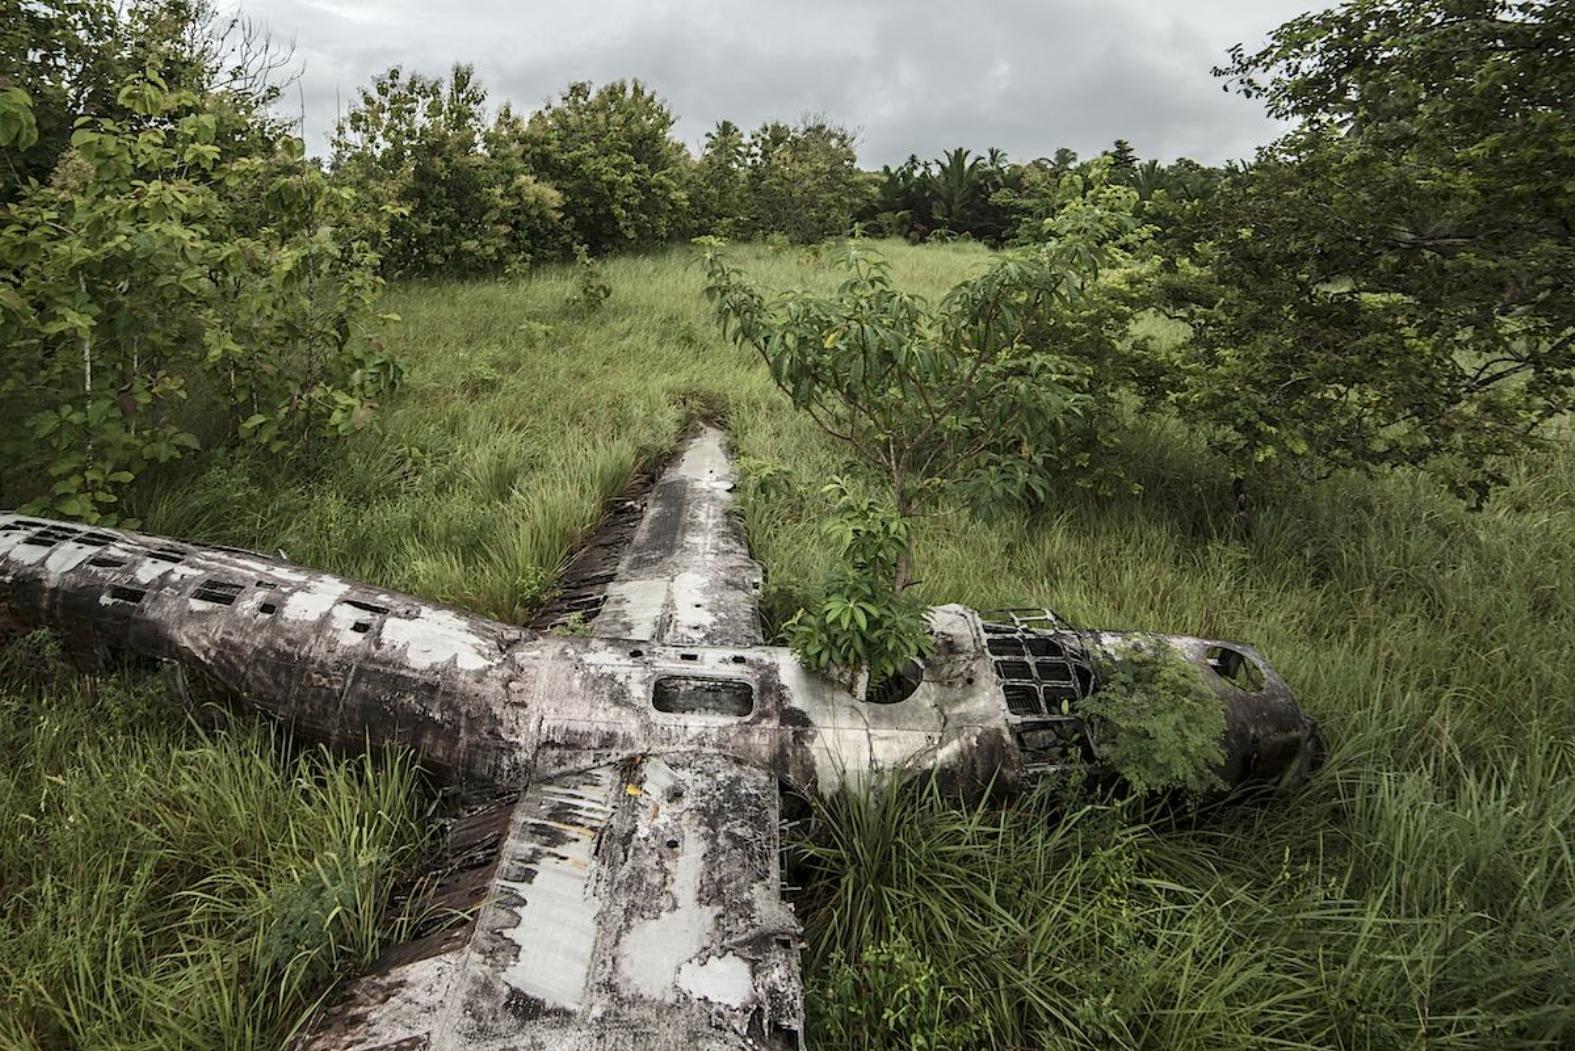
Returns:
<point x="960" y="394"/>
<point x="863" y="622"/>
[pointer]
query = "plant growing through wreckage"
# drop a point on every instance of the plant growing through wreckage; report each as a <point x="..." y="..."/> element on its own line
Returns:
<point x="864" y="622"/>
<point x="1156" y="722"/>
<point x="962" y="393"/>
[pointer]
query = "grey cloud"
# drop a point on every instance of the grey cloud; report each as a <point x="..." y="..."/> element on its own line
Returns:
<point x="913" y="76"/>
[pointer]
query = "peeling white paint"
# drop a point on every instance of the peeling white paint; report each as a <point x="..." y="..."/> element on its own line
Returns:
<point x="68" y="556"/>
<point x="313" y="604"/>
<point x="554" y="932"/>
<point x="28" y="554"/>
<point x="435" y="637"/>
<point x="725" y="980"/>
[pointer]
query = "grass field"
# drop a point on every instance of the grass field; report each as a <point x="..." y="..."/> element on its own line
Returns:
<point x="1420" y="893"/>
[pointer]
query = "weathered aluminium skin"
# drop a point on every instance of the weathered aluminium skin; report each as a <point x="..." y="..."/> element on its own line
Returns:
<point x="634" y="898"/>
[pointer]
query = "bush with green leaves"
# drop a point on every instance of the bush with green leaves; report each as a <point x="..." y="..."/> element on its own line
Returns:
<point x="863" y="622"/>
<point x="439" y="190"/>
<point x="610" y="153"/>
<point x="983" y="389"/>
<point x="1389" y="284"/>
<point x="803" y="181"/>
<point x="70" y="59"/>
<point x="1155" y="721"/>
<point x="166" y="286"/>
<point x="891" y="995"/>
<point x="591" y="289"/>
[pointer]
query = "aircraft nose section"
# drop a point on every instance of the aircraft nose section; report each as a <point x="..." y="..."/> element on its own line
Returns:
<point x="1269" y="739"/>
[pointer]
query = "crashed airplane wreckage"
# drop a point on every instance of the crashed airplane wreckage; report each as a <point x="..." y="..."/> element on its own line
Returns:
<point x="628" y="892"/>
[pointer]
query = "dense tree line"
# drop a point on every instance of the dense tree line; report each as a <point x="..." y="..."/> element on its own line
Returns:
<point x="1379" y="287"/>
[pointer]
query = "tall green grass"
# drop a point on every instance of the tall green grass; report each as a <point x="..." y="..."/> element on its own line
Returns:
<point x="172" y="887"/>
<point x="1418" y="893"/>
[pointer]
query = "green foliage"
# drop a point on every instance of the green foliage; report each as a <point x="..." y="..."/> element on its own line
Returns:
<point x="789" y="183"/>
<point x="438" y="190"/>
<point x="803" y="181"/>
<point x="1385" y="286"/>
<point x="719" y="184"/>
<point x="863" y="623"/>
<point x="164" y="271"/>
<point x="591" y="289"/>
<point x="70" y="58"/>
<point x="1156" y="722"/>
<point x="611" y="155"/>
<point x="891" y="996"/>
<point x="971" y="390"/>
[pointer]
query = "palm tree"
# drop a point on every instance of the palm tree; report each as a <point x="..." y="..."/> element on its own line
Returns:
<point x="954" y="185"/>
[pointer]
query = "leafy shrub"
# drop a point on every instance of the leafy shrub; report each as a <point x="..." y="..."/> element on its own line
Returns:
<point x="164" y="272"/>
<point x="983" y="389"/>
<point x="438" y="190"/>
<point x="1156" y="722"/>
<point x="891" y="996"/>
<point x="611" y="154"/>
<point x="1387" y="285"/>
<point x="591" y="289"/>
<point x="804" y="181"/>
<point x="863" y="622"/>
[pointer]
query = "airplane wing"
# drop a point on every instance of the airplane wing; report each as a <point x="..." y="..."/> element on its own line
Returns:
<point x="632" y="904"/>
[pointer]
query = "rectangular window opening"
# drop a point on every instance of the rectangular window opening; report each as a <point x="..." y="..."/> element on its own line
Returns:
<point x="218" y="592"/>
<point x="681" y="695"/>
<point x="49" y="536"/>
<point x="130" y="596"/>
<point x="1021" y="698"/>
<point x="1014" y="670"/>
<point x="367" y="607"/>
<point x="1004" y="646"/>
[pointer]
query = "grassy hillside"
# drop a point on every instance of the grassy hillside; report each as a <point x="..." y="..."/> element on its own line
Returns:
<point x="1418" y="893"/>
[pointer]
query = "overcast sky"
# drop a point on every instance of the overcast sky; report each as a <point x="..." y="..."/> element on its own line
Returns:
<point x="911" y="76"/>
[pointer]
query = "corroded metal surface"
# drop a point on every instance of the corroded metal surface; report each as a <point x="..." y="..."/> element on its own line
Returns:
<point x="687" y="575"/>
<point x="631" y="897"/>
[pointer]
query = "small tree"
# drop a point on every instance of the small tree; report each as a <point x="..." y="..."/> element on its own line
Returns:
<point x="1389" y="284"/>
<point x="611" y="154"/>
<point x="440" y="190"/>
<point x="925" y="396"/>
<point x="804" y="181"/>
<point x="719" y="193"/>
<point x="160" y="261"/>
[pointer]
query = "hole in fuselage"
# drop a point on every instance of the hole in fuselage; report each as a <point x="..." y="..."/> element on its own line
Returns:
<point x="898" y="687"/>
<point x="369" y="607"/>
<point x="130" y="596"/>
<point x="217" y="592"/>
<point x="1235" y="668"/>
<point x="681" y="695"/>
